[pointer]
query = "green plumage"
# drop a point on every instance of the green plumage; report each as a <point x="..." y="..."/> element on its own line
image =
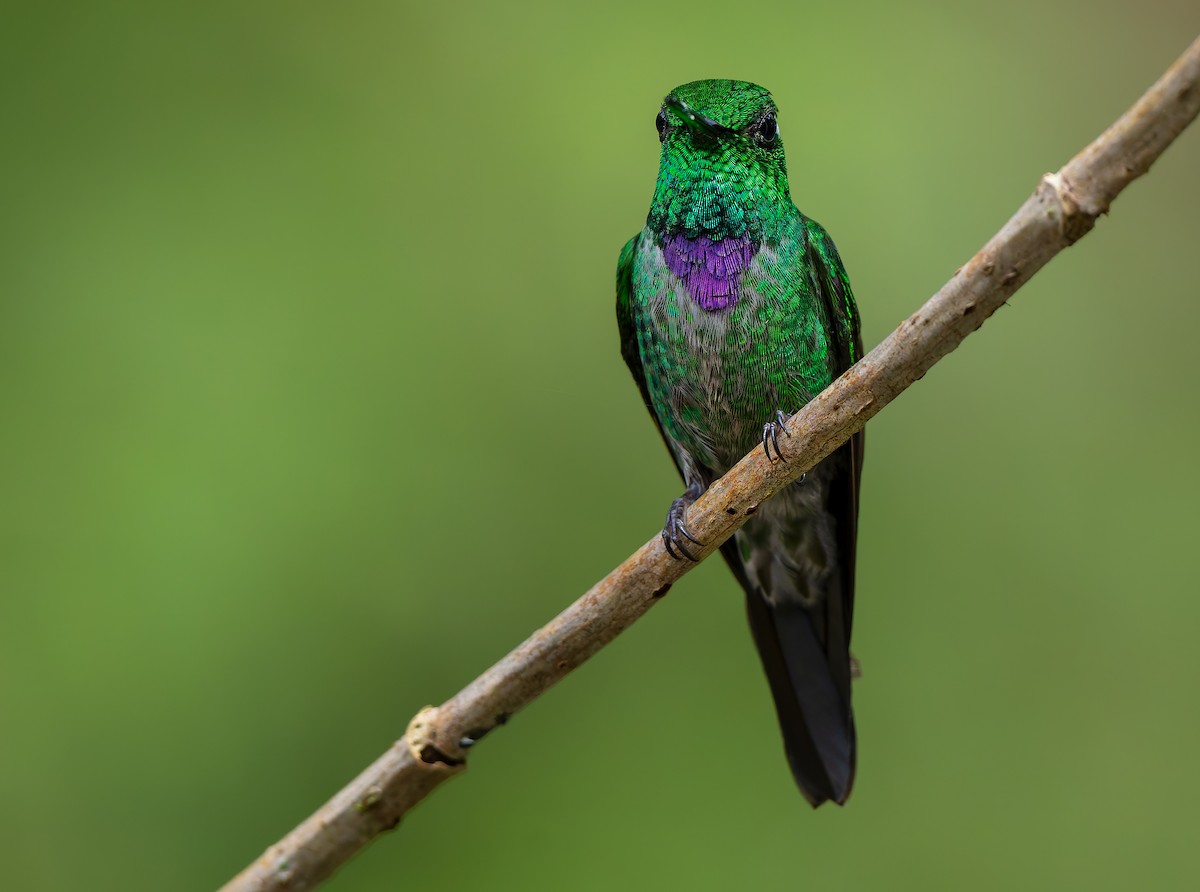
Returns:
<point x="715" y="378"/>
<point x="734" y="307"/>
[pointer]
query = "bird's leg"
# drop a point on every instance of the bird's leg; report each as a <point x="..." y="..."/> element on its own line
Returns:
<point x="770" y="437"/>
<point x="676" y="531"/>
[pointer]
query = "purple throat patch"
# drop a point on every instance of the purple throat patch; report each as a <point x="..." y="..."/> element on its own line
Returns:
<point x="711" y="270"/>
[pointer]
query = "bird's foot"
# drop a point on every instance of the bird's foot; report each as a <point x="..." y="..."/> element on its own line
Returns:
<point x="770" y="437"/>
<point x="676" y="533"/>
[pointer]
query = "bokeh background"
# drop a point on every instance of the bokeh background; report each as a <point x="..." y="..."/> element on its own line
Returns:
<point x="311" y="408"/>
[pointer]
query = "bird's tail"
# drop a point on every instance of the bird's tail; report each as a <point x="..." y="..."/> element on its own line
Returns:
<point x="795" y="561"/>
<point x="814" y="715"/>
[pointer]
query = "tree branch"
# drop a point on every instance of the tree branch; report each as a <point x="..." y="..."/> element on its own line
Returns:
<point x="1062" y="210"/>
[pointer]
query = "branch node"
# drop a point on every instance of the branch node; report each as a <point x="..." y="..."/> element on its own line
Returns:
<point x="1073" y="221"/>
<point x="421" y="738"/>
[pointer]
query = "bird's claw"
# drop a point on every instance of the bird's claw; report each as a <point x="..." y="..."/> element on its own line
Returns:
<point x="770" y="436"/>
<point x="675" y="533"/>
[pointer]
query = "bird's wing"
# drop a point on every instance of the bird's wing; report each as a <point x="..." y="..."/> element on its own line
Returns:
<point x="842" y="313"/>
<point x="627" y="327"/>
<point x="625" y="321"/>
<point x="835" y="292"/>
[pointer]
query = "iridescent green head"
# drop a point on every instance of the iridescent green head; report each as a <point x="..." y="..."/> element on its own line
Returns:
<point x="722" y="172"/>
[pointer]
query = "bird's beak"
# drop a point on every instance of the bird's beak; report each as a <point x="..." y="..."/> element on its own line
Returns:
<point x="699" y="124"/>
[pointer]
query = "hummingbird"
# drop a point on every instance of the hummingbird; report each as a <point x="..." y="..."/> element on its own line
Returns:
<point x="734" y="310"/>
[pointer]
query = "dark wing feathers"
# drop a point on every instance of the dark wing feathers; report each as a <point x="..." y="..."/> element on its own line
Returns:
<point x="839" y="299"/>
<point x="842" y="313"/>
<point x="628" y="331"/>
<point x="625" y="324"/>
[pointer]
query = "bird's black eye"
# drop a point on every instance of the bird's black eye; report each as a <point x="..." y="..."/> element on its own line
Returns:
<point x="660" y="124"/>
<point x="766" y="130"/>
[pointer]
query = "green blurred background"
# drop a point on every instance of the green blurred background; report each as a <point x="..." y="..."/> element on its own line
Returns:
<point x="312" y="408"/>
